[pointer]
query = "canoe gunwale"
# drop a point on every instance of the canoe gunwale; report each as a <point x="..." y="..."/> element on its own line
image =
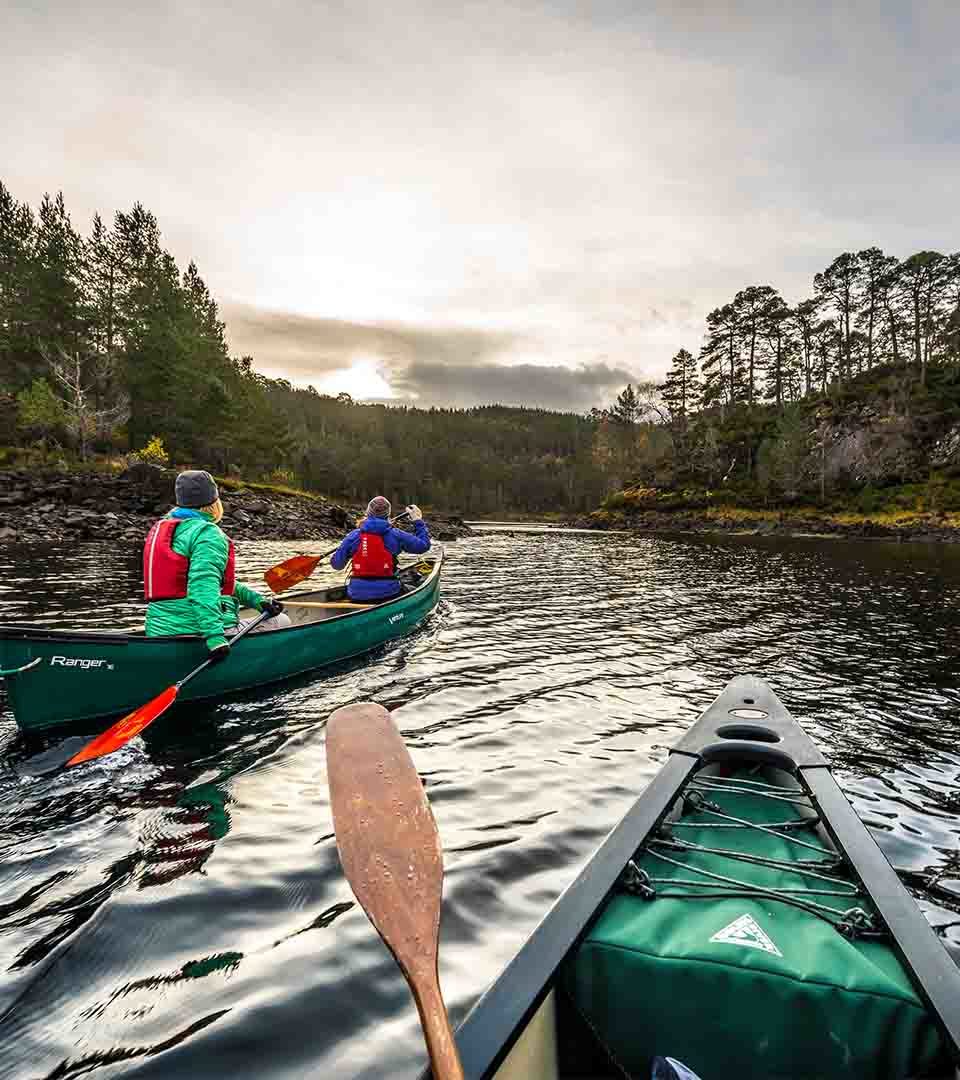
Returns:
<point x="934" y="975"/>
<point x="495" y="1022"/>
<point x="321" y="643"/>
<point x="12" y="632"/>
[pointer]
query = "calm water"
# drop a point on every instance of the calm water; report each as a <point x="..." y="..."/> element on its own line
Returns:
<point x="178" y="909"/>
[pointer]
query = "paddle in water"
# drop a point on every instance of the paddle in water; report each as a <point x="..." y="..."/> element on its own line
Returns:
<point x="390" y="851"/>
<point x="298" y="568"/>
<point x="120" y="733"/>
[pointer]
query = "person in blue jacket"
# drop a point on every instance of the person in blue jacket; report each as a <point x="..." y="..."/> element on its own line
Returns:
<point x="373" y="547"/>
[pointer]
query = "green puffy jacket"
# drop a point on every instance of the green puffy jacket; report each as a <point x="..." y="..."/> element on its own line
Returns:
<point x="203" y="610"/>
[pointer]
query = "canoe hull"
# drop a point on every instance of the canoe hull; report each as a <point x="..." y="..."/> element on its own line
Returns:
<point x="514" y="1025"/>
<point x="97" y="676"/>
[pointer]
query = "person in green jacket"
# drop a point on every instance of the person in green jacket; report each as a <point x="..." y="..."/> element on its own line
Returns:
<point x="188" y="570"/>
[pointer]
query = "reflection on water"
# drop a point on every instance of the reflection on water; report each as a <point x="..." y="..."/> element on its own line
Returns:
<point x="178" y="908"/>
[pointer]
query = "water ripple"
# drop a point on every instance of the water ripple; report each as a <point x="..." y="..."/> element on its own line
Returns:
<point x="178" y="908"/>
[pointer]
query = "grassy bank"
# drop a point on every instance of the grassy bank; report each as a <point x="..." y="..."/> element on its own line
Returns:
<point x="929" y="510"/>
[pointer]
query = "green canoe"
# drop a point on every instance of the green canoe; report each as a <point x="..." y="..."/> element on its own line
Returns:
<point x="57" y="677"/>
<point x="739" y="920"/>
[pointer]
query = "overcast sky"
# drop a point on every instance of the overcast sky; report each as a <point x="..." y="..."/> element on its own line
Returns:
<point x="467" y="202"/>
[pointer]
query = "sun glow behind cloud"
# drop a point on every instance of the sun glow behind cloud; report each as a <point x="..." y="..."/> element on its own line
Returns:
<point x="363" y="380"/>
<point x="464" y="202"/>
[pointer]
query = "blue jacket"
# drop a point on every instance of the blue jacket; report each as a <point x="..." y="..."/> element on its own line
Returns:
<point x="394" y="540"/>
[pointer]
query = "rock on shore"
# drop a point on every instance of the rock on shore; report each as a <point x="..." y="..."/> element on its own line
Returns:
<point x="102" y="506"/>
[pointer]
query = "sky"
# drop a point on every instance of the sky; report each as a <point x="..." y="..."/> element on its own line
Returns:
<point x="458" y="203"/>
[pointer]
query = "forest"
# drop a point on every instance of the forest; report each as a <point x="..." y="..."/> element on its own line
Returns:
<point x="856" y="384"/>
<point x="108" y="350"/>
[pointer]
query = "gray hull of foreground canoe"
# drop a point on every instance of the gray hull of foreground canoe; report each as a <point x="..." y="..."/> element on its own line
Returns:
<point x="87" y="676"/>
<point x="506" y="1033"/>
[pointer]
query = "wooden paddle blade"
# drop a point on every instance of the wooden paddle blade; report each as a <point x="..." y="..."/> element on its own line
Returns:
<point x="390" y="850"/>
<point x="287" y="574"/>
<point x="126" y="729"/>
<point x="386" y="834"/>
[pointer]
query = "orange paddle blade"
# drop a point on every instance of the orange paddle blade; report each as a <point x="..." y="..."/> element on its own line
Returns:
<point x="287" y="574"/>
<point x="126" y="729"/>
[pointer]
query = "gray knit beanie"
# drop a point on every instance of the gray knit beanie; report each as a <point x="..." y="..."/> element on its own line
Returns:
<point x="378" y="506"/>
<point x="196" y="488"/>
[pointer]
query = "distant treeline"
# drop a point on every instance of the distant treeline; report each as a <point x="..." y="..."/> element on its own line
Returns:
<point x="107" y="348"/>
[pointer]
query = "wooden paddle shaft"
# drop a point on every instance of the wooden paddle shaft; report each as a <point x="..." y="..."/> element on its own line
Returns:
<point x="316" y="604"/>
<point x="437" y="1032"/>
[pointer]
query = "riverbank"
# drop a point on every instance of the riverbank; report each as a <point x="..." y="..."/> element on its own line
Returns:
<point x="799" y="521"/>
<point x="79" y="506"/>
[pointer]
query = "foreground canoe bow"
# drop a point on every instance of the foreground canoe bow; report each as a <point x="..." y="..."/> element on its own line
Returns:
<point x="58" y="677"/>
<point x="739" y="919"/>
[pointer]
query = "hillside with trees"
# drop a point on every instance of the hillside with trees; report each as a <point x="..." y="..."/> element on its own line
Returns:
<point x="108" y="349"/>
<point x="850" y="398"/>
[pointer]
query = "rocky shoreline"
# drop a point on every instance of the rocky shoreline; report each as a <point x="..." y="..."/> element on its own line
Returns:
<point x="924" y="529"/>
<point x="81" y="506"/>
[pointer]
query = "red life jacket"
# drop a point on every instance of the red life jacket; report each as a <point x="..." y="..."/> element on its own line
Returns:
<point x="165" y="572"/>
<point x="372" y="559"/>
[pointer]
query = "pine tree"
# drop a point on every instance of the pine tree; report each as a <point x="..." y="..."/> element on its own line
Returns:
<point x="806" y="318"/>
<point x="778" y="348"/>
<point x="921" y="293"/>
<point x="950" y="330"/>
<point x="56" y="288"/>
<point x="102" y="280"/>
<point x="826" y="346"/>
<point x="752" y="306"/>
<point x="839" y="286"/>
<point x="720" y="358"/>
<point x="626" y="409"/>
<point x="681" y="390"/>
<point x="874" y="266"/>
<point x="893" y="330"/>
<point x="17" y="245"/>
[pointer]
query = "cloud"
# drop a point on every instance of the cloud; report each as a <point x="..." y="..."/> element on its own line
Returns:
<point x="422" y="364"/>
<point x="557" y="182"/>
<point x="305" y="347"/>
<point x="561" y="388"/>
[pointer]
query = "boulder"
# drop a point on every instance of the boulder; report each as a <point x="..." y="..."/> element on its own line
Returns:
<point x="151" y="480"/>
<point x="340" y="517"/>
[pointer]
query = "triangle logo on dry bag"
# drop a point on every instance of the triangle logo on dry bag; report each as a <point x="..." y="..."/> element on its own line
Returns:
<point x="746" y="931"/>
